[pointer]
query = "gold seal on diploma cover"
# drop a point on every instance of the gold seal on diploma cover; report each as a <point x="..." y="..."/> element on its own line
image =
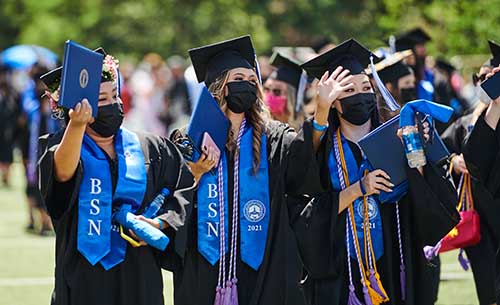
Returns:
<point x="84" y="78"/>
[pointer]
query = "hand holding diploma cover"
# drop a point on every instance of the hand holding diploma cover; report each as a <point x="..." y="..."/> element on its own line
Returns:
<point x="81" y="76"/>
<point x="207" y="118"/>
<point x="391" y="158"/>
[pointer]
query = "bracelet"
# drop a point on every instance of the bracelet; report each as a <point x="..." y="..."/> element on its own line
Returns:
<point x="160" y="222"/>
<point x="319" y="127"/>
<point x="362" y="187"/>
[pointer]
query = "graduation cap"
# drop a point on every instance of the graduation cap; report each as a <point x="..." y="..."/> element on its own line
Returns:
<point x="211" y="61"/>
<point x="392" y="68"/>
<point x="353" y="56"/>
<point x="52" y="79"/>
<point x="411" y="38"/>
<point x="495" y="51"/>
<point x="287" y="71"/>
<point x="350" y="55"/>
<point x="444" y="65"/>
<point x="291" y="73"/>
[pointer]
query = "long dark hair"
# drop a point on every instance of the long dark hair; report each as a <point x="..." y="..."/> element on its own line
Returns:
<point x="257" y="116"/>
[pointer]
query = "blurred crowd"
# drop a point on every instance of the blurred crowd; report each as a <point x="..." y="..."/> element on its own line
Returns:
<point x="159" y="95"/>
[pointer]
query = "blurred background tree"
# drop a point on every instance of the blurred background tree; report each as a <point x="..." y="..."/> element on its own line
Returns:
<point x="171" y="27"/>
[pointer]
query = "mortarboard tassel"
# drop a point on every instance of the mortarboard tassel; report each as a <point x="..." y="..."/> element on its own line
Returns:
<point x="353" y="299"/>
<point x="300" y="92"/>
<point x="402" y="279"/>
<point x="389" y="100"/>
<point x="463" y="261"/>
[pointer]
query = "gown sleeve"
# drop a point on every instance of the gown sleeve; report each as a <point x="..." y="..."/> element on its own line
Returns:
<point x="312" y="206"/>
<point x="434" y="201"/>
<point x="481" y="150"/>
<point x="57" y="197"/>
<point x="174" y="176"/>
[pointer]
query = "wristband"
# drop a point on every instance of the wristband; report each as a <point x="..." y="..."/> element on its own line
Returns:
<point x="319" y="127"/>
<point x="362" y="187"/>
<point x="160" y="222"/>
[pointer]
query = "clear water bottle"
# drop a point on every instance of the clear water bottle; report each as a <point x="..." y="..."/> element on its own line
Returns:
<point x="413" y="147"/>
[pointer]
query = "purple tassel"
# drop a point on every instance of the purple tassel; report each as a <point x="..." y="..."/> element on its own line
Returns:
<point x="374" y="284"/>
<point x="353" y="299"/>
<point x="227" y="296"/>
<point x="366" y="294"/>
<point x="463" y="261"/>
<point x="402" y="279"/>
<point x="219" y="295"/>
<point x="234" y="292"/>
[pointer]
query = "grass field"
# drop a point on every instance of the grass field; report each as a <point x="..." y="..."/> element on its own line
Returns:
<point x="27" y="261"/>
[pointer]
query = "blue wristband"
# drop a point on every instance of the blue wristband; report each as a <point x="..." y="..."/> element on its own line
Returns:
<point x="160" y="222"/>
<point x="318" y="127"/>
<point x="362" y="187"/>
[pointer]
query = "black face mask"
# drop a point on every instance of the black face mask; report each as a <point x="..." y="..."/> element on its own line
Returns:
<point x="241" y="97"/>
<point x="109" y="119"/>
<point x="408" y="95"/>
<point x="357" y="109"/>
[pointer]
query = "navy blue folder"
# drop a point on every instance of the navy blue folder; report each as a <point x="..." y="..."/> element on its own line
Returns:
<point x="81" y="76"/>
<point x="385" y="151"/>
<point x="492" y="86"/>
<point x="208" y="117"/>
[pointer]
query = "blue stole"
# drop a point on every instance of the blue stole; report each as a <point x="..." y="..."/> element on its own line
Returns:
<point x="356" y="174"/>
<point x="253" y="206"/>
<point x="98" y="239"/>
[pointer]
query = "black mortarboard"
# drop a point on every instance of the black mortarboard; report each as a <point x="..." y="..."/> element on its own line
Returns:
<point x="445" y="65"/>
<point x="53" y="78"/>
<point x="350" y="55"/>
<point x="392" y="68"/>
<point x="211" y="61"/>
<point x="288" y="70"/>
<point x="495" y="51"/>
<point x="411" y="38"/>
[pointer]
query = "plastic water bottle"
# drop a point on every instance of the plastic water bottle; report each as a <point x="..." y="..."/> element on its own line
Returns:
<point x="413" y="147"/>
<point x="156" y="204"/>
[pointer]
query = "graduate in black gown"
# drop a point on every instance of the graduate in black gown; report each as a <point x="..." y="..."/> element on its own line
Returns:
<point x="254" y="268"/>
<point x="481" y="154"/>
<point x="400" y="227"/>
<point x="482" y="255"/>
<point x="92" y="170"/>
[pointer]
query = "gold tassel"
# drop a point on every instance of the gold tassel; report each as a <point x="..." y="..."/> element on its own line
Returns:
<point x="374" y="296"/>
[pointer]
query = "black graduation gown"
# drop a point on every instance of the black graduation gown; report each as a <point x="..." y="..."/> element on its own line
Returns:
<point x="138" y="279"/>
<point x="482" y="255"/>
<point x="276" y="280"/>
<point x="320" y="230"/>
<point x="482" y="156"/>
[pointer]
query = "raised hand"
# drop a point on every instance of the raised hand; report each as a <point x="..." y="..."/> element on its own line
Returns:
<point x="81" y="114"/>
<point x="331" y="86"/>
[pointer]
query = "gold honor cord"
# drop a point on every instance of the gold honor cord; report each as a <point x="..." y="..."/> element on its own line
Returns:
<point x="374" y="296"/>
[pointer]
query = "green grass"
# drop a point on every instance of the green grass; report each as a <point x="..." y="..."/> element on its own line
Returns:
<point x="27" y="261"/>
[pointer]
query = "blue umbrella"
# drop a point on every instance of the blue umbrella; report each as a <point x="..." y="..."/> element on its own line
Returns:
<point x="24" y="56"/>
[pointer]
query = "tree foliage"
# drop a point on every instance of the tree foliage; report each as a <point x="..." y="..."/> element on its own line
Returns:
<point x="171" y="27"/>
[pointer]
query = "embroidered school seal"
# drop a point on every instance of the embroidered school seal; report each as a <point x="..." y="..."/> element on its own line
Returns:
<point x="372" y="209"/>
<point x="254" y="211"/>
